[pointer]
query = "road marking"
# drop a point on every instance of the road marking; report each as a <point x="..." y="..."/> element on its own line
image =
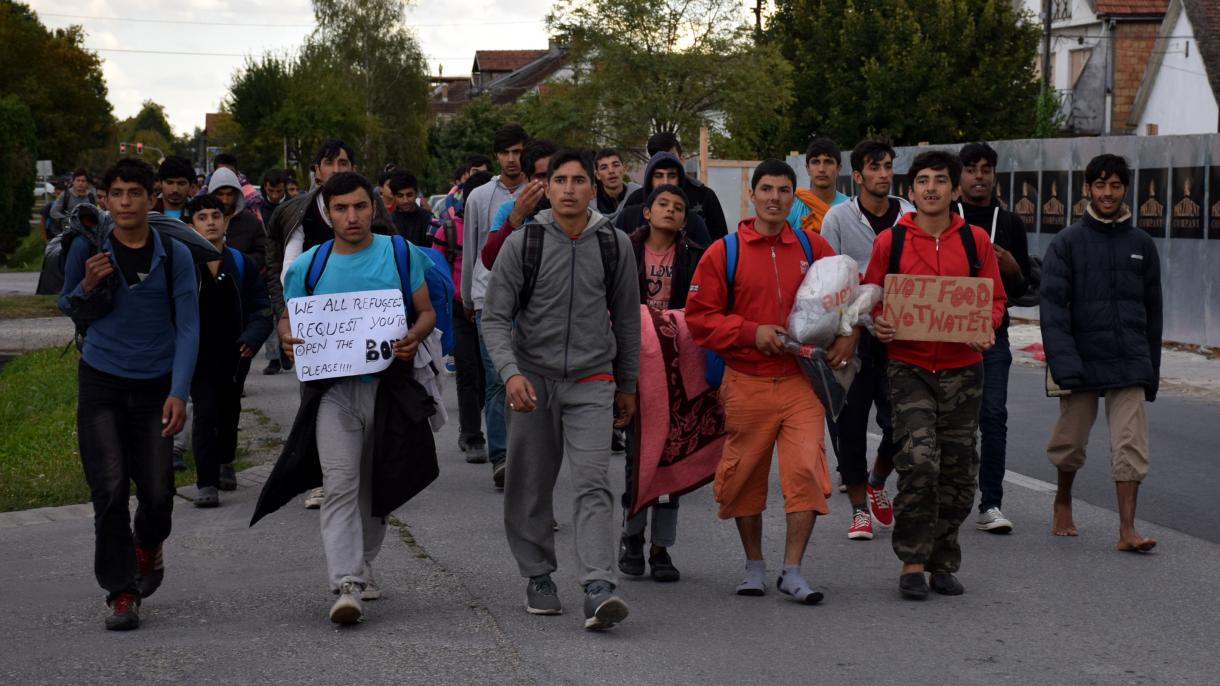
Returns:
<point x="1011" y="477"/>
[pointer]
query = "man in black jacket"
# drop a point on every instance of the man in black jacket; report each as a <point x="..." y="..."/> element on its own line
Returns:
<point x="703" y="201"/>
<point x="980" y="208"/>
<point x="1101" y="326"/>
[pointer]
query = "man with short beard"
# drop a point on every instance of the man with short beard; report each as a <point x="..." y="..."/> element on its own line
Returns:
<point x="1102" y="317"/>
<point x="979" y="207"/>
<point x="177" y="186"/>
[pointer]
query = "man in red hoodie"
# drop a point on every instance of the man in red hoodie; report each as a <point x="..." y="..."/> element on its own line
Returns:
<point x="935" y="388"/>
<point x="767" y="401"/>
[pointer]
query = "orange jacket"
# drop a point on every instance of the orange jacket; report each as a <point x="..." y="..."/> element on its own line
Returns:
<point x="769" y="272"/>
<point x="925" y="255"/>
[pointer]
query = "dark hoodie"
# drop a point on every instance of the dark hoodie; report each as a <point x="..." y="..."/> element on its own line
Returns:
<point x="632" y="216"/>
<point x="1007" y="231"/>
<point x="245" y="232"/>
<point x="686" y="258"/>
<point x="703" y="201"/>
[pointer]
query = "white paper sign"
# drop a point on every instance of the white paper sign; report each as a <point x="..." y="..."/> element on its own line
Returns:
<point x="346" y="334"/>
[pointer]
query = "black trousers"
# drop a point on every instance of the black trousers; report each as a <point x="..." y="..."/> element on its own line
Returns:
<point x="470" y="382"/>
<point x="118" y="422"/>
<point x="217" y="395"/>
<point x="849" y="433"/>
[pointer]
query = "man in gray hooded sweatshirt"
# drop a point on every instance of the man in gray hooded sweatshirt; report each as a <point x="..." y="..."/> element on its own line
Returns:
<point x="246" y="232"/>
<point x="561" y="321"/>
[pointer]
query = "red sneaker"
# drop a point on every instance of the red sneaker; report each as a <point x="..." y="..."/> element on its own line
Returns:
<point x="125" y="613"/>
<point x="861" y="528"/>
<point x="150" y="570"/>
<point x="879" y="505"/>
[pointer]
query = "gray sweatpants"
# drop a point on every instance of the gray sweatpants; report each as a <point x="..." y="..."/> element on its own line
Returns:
<point x="351" y="536"/>
<point x="573" y="420"/>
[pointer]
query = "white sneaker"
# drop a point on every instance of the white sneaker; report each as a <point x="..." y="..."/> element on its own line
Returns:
<point x="371" y="590"/>
<point x="347" y="609"/>
<point x="314" y="499"/>
<point x="993" y="521"/>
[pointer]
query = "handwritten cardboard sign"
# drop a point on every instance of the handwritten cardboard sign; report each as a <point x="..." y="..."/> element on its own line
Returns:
<point x="938" y="308"/>
<point x="346" y="334"/>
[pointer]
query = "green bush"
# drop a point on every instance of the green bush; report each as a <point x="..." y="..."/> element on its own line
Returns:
<point x="17" y="157"/>
<point x="28" y="255"/>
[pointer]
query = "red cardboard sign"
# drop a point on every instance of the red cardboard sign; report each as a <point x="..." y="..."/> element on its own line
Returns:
<point x="953" y="309"/>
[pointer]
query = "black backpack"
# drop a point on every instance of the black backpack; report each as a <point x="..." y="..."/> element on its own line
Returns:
<point x="531" y="262"/>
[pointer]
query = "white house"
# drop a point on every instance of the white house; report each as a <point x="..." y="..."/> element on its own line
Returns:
<point x="1178" y="94"/>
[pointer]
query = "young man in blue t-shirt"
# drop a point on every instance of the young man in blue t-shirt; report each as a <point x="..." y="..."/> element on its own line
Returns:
<point x="134" y="377"/>
<point x="359" y="261"/>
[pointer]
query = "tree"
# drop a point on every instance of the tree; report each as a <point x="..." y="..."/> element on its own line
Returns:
<point x="910" y="70"/>
<point x="58" y="80"/>
<point x="258" y="93"/>
<point x="642" y="66"/>
<point x="17" y="147"/>
<point x="452" y="139"/>
<point x="369" y="41"/>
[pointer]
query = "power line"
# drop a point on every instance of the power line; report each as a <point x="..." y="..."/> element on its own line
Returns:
<point x="145" y="20"/>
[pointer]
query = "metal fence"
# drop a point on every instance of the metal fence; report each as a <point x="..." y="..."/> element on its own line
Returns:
<point x="1174" y="195"/>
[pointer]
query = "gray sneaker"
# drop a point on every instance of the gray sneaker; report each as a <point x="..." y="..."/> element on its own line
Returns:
<point x="542" y="597"/>
<point x="993" y="521"/>
<point x="603" y="609"/>
<point x="475" y="454"/>
<point x="347" y="609"/>
<point x="207" y="497"/>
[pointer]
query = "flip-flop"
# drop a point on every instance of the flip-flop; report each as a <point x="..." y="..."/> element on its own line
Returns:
<point x="1144" y="546"/>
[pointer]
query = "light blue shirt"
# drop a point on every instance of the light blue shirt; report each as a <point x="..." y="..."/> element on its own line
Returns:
<point x="506" y="208"/>
<point x="800" y="209"/>
<point x="371" y="269"/>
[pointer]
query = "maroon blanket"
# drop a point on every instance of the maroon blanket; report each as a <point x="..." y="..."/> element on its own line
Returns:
<point x="680" y="423"/>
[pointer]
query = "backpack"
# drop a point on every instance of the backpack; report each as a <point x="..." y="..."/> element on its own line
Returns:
<point x="899" y="234"/>
<point x="240" y="260"/>
<point x="450" y="229"/>
<point x="714" y="374"/>
<point x="531" y="262"/>
<point x="440" y="284"/>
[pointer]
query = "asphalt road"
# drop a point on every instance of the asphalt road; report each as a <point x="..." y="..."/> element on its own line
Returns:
<point x="18" y="282"/>
<point x="244" y="605"/>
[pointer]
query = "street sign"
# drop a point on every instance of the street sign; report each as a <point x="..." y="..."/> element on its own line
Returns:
<point x="44" y="168"/>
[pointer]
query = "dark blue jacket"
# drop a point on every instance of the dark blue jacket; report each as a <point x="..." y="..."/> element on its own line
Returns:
<point x="254" y="305"/>
<point x="1101" y="307"/>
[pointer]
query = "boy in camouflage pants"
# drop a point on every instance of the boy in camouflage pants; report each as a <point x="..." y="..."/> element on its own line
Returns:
<point x="936" y="388"/>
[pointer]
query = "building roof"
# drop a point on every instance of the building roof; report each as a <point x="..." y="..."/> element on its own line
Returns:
<point x="504" y="60"/>
<point x="1204" y="16"/>
<point x="1131" y="7"/>
<point x="526" y="78"/>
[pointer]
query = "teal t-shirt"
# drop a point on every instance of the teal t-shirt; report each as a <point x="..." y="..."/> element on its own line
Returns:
<point x="800" y="209"/>
<point x="371" y="269"/>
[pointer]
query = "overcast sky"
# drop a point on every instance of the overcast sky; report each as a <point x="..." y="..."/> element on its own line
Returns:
<point x="191" y="85"/>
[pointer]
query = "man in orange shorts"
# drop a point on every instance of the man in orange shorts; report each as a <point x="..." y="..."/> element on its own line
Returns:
<point x="740" y="298"/>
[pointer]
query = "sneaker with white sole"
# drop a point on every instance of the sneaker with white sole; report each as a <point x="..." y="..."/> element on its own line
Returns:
<point x="347" y="609"/>
<point x="542" y="597"/>
<point x="861" y="528"/>
<point x="880" y="507"/>
<point x="993" y="521"/>
<point x="603" y="609"/>
<point x="314" y="500"/>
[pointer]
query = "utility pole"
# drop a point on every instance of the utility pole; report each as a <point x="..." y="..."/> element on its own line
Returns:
<point x="1046" y="46"/>
<point x="758" y="10"/>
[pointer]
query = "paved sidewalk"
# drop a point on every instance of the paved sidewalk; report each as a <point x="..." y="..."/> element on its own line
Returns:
<point x="248" y="605"/>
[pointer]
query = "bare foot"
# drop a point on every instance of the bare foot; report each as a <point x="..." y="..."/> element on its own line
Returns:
<point x="1062" y="523"/>
<point x="1132" y="542"/>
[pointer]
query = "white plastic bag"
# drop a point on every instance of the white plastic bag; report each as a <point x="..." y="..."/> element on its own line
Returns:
<point x="830" y="287"/>
<point x="860" y="311"/>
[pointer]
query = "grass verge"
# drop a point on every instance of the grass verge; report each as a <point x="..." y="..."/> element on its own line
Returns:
<point x="21" y="306"/>
<point x="39" y="458"/>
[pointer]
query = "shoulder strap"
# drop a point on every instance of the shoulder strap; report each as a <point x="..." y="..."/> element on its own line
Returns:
<point x="898" y="236"/>
<point x="239" y="263"/>
<point x="531" y="261"/>
<point x="317" y="264"/>
<point x="167" y="244"/>
<point x="972" y="253"/>
<point x="607" y="242"/>
<point x="804" y="241"/>
<point x="450" y="239"/>
<point x="402" y="259"/>
<point x="730" y="266"/>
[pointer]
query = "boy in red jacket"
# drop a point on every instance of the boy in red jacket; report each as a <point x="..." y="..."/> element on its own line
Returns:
<point x="935" y="388"/>
<point x="767" y="401"/>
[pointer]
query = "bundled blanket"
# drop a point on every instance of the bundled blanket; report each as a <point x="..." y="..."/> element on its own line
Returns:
<point x="680" y="421"/>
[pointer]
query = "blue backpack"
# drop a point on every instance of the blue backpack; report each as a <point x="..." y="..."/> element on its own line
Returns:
<point x="715" y="363"/>
<point x="239" y="261"/>
<point x="440" y="284"/>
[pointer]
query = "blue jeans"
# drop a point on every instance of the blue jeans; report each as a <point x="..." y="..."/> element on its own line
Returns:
<point x="493" y="404"/>
<point x="993" y="421"/>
